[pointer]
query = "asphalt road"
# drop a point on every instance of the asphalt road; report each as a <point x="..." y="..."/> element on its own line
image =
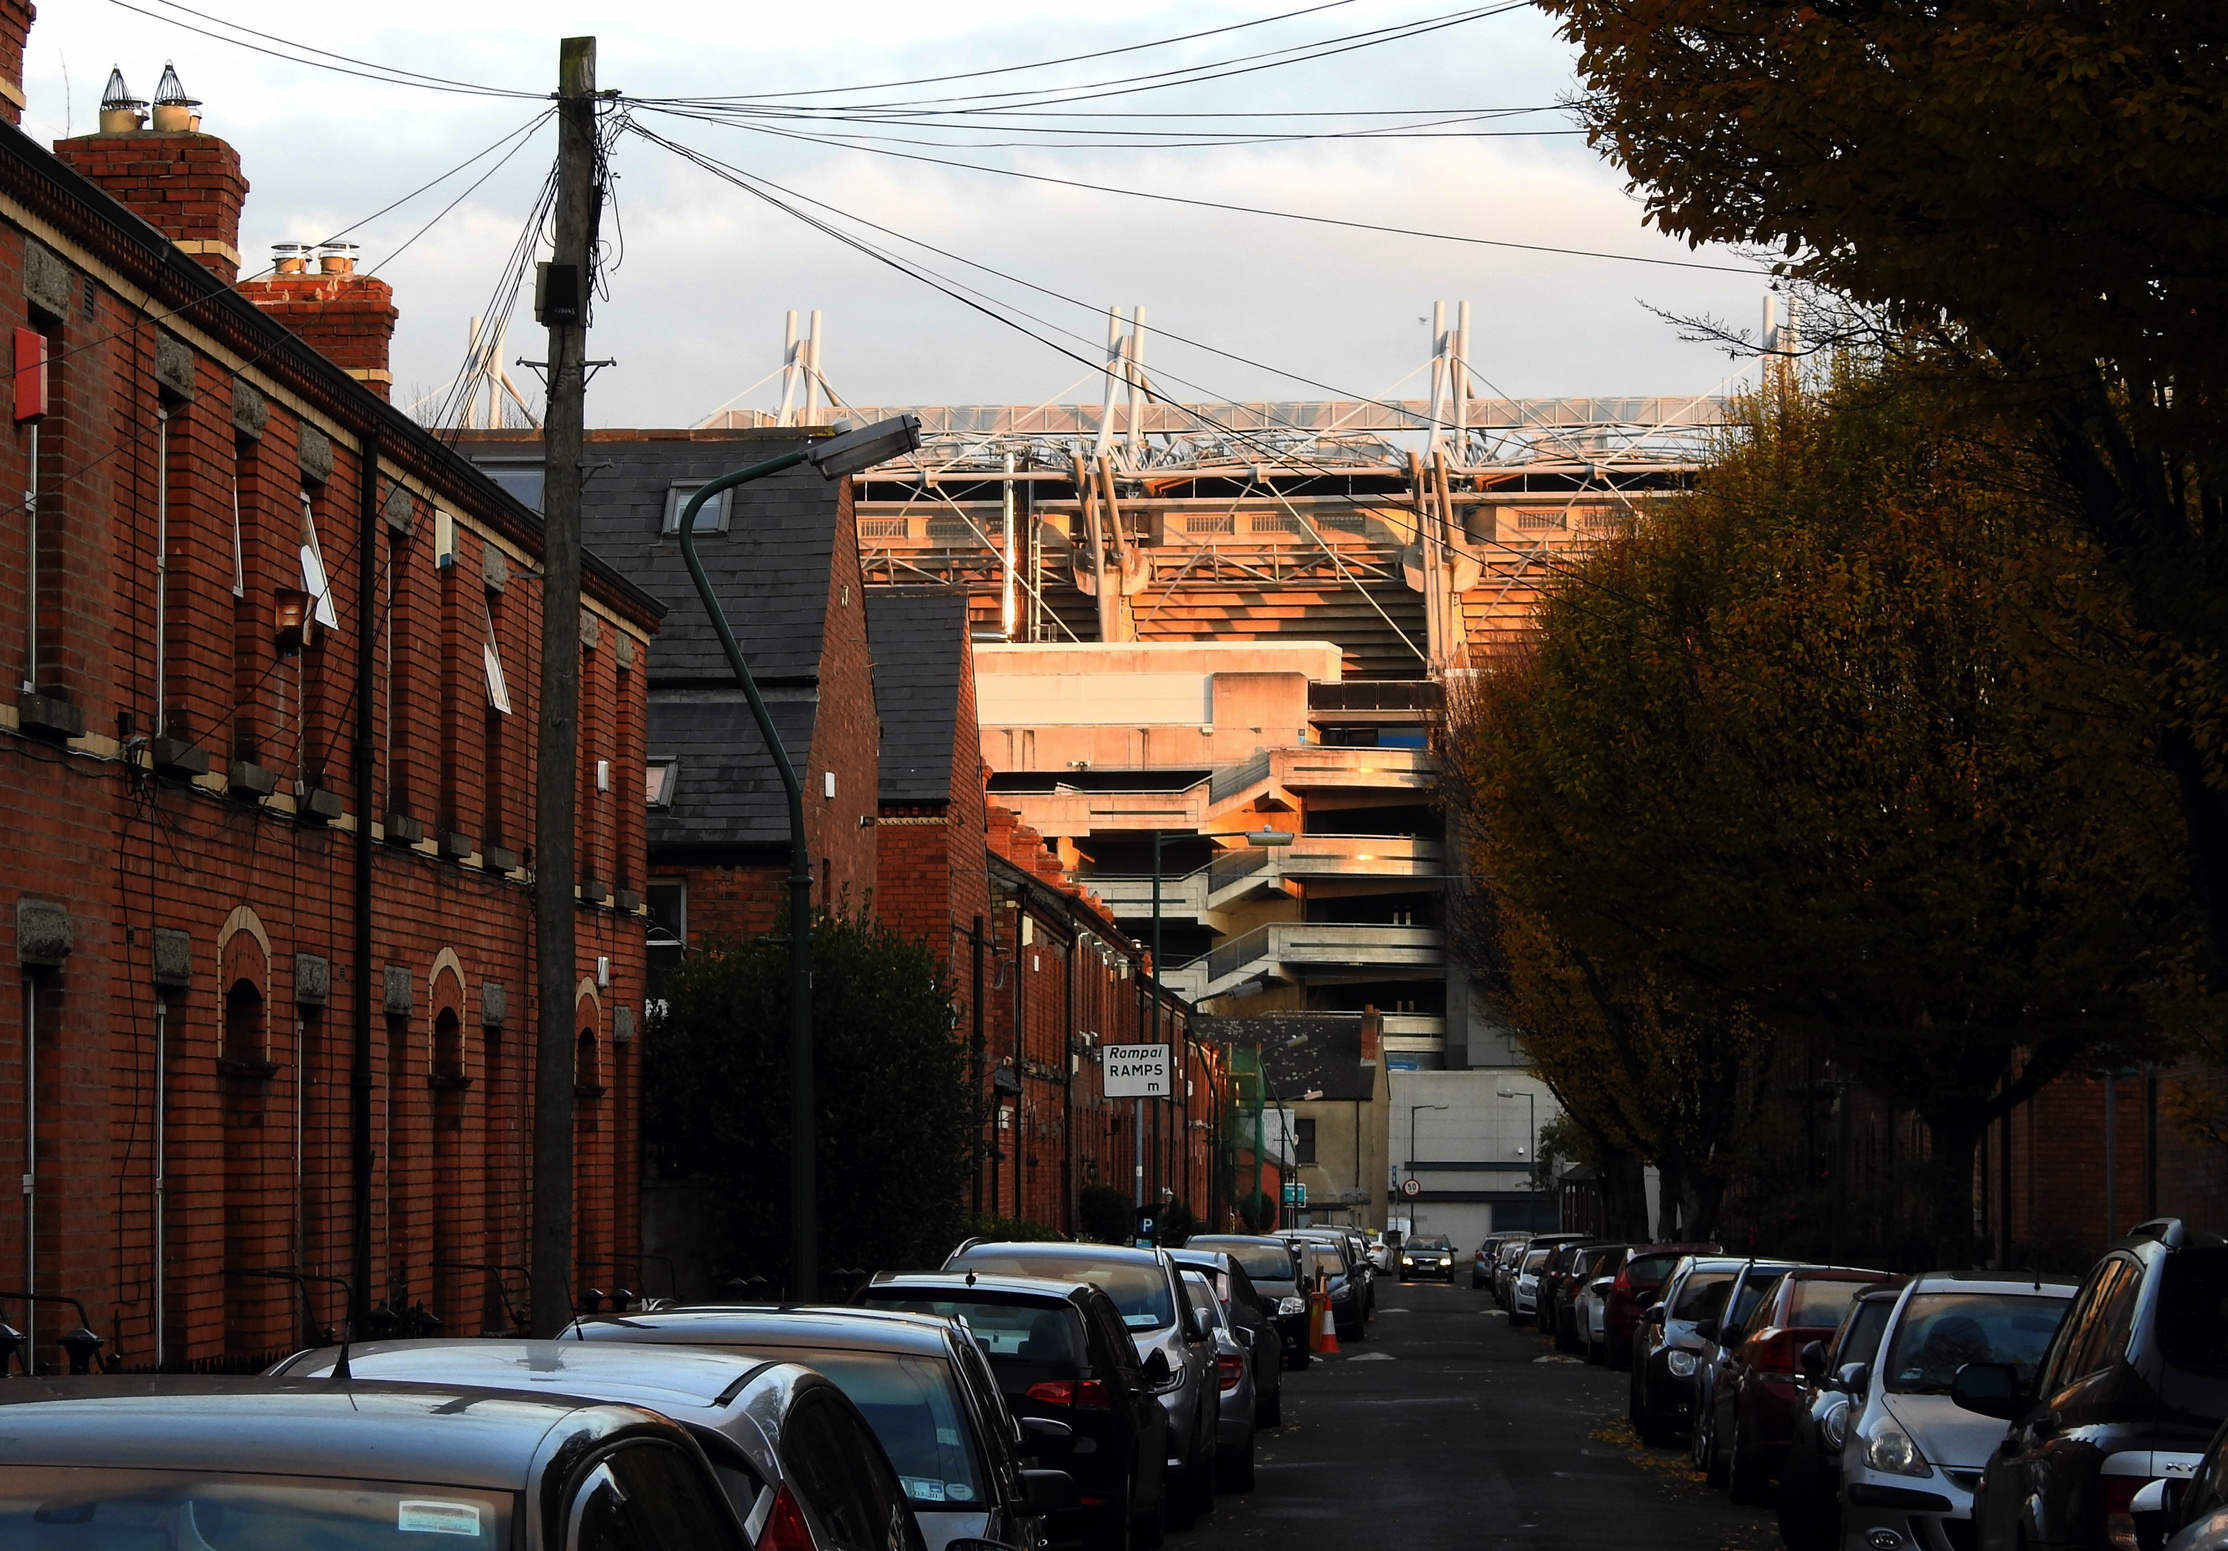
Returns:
<point x="1445" y="1428"/>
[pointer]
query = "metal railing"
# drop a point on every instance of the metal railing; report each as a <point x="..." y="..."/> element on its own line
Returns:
<point x="1233" y="779"/>
<point x="1234" y="955"/>
<point x="1230" y="866"/>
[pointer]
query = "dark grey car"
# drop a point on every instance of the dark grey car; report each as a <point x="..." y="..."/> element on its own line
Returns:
<point x="1177" y="1352"/>
<point x="173" y="1461"/>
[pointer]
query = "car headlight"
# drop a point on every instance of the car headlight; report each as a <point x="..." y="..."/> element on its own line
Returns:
<point x="1293" y="1305"/>
<point x="1681" y="1363"/>
<point x="1407" y="1260"/>
<point x="1443" y="1260"/>
<point x="1833" y="1427"/>
<point x="1888" y="1448"/>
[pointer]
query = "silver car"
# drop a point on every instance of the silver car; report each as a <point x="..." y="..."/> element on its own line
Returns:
<point x="1913" y="1456"/>
<point x="1234" y="1386"/>
<point x="1524" y="1299"/>
<point x="1175" y="1345"/>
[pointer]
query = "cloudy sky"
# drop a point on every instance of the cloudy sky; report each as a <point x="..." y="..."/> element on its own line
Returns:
<point x="705" y="271"/>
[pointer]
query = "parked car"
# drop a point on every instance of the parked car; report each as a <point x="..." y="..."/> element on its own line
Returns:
<point x="1665" y="1344"/>
<point x="1715" y="1338"/>
<point x="1432" y="1257"/>
<point x="1506" y="1264"/>
<point x="1538" y="1241"/>
<point x="1831" y="1372"/>
<point x="2191" y="1516"/>
<point x="1581" y="1264"/>
<point x="778" y="1432"/>
<point x="1273" y="1266"/>
<point x="1482" y="1261"/>
<point x="1384" y="1248"/>
<point x="1639" y="1280"/>
<point x="1592" y="1314"/>
<point x="1234" y="1385"/>
<point x="1252" y="1321"/>
<point x="2132" y="1391"/>
<point x="1327" y="1267"/>
<point x="175" y="1461"/>
<point x="1061" y="1354"/>
<point x="1753" y="1399"/>
<point x="1361" y="1276"/>
<point x="1178" y="1354"/>
<point x="1524" y="1289"/>
<point x="924" y="1387"/>
<point x="1914" y="1455"/>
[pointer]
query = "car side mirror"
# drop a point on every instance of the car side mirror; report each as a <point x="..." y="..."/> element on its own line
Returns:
<point x="1157" y="1371"/>
<point x="1048" y="1491"/>
<point x="1853" y="1378"/>
<point x="1812" y="1360"/>
<point x="1990" y="1389"/>
<point x="1200" y="1325"/>
<point x="1706" y="1329"/>
<point x="2153" y="1510"/>
<point x="1731" y="1335"/>
<point x="1046" y="1429"/>
<point x="1244" y="1335"/>
<point x="1654" y="1316"/>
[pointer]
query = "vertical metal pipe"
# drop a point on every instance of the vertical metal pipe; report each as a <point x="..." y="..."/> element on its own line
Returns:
<point x="788" y="370"/>
<point x="976" y="1050"/>
<point x="162" y="1131"/>
<point x="31" y="567"/>
<point x="162" y="562"/>
<point x="1008" y="609"/>
<point x="360" y="944"/>
<point x="31" y="1165"/>
<point x="812" y="371"/>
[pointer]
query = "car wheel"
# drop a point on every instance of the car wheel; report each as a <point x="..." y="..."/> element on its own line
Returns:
<point x="1203" y="1479"/>
<point x="1299" y="1358"/>
<point x="1714" y="1470"/>
<point x="1180" y="1508"/>
<point x="1595" y="1354"/>
<point x="1744" y="1472"/>
<point x="1618" y="1354"/>
<point x="1272" y="1415"/>
<point x="1236" y="1470"/>
<point x="1803" y="1526"/>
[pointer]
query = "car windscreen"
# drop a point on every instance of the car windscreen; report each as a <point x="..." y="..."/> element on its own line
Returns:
<point x="1428" y="1247"/>
<point x="1703" y="1295"/>
<point x="1860" y="1343"/>
<point x="1649" y="1269"/>
<point x="1139" y="1288"/>
<point x="1821" y="1303"/>
<point x="1534" y="1259"/>
<point x="1262" y="1262"/>
<point x="1942" y="1332"/>
<point x="77" y="1508"/>
<point x="914" y="1406"/>
<point x="1324" y="1261"/>
<point x="1035" y="1330"/>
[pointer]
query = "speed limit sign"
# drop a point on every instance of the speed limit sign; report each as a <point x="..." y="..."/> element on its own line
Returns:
<point x="1411" y="1187"/>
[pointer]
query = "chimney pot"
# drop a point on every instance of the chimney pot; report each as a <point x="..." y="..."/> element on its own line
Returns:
<point x="336" y="258"/>
<point x="120" y="110"/>
<point x="290" y="258"/>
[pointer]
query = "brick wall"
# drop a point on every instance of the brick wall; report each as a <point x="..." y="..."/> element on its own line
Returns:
<point x="188" y="185"/>
<point x="250" y="893"/>
<point x="350" y="318"/>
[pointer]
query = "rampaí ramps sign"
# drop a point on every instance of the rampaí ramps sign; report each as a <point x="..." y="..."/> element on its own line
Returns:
<point x="1136" y="1071"/>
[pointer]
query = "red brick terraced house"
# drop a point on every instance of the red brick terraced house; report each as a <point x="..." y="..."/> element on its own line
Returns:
<point x="273" y="656"/>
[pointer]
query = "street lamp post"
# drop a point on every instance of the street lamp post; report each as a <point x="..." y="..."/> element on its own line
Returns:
<point x="850" y="453"/>
<point x="1412" y="1152"/>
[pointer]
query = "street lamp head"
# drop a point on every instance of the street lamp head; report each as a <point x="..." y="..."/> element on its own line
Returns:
<point x="1510" y="1093"/>
<point x="1268" y="837"/>
<point x="856" y="451"/>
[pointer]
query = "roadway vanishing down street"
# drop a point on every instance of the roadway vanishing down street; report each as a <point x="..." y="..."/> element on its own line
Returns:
<point x="1445" y="1428"/>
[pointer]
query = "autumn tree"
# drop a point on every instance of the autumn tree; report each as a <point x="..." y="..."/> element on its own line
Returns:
<point x="2036" y="191"/>
<point x="1849" y="737"/>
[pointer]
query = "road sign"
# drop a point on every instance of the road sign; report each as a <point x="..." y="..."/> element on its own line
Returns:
<point x="1295" y="1193"/>
<point x="1136" y="1071"/>
<point x="1411" y="1187"/>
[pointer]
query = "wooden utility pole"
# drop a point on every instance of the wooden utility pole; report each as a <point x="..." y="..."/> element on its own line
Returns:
<point x="562" y="300"/>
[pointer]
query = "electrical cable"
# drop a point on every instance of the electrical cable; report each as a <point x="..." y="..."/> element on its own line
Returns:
<point x="387" y="74"/>
<point x="1215" y="204"/>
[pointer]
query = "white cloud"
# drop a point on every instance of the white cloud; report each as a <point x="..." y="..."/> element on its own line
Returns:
<point x="696" y="307"/>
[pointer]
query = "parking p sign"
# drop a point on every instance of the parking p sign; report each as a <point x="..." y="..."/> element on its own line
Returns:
<point x="1136" y="1071"/>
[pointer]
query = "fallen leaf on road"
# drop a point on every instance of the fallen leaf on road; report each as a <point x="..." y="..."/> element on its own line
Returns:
<point x="1557" y="1357"/>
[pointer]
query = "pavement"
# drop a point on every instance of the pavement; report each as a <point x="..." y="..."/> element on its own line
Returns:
<point x="1445" y="1427"/>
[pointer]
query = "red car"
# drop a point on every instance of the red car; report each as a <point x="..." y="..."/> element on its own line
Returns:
<point x="1753" y="1410"/>
<point x="1639" y="1279"/>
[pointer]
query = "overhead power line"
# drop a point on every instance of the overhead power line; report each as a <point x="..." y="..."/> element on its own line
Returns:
<point x="364" y="69"/>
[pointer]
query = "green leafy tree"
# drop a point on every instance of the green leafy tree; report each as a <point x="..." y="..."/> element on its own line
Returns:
<point x="894" y="1113"/>
<point x="1850" y="737"/>
<point x="2036" y="191"/>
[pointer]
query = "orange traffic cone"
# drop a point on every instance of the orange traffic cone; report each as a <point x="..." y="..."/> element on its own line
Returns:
<point x="1323" y="1330"/>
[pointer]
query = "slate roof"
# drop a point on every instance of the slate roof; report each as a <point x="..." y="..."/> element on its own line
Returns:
<point x="770" y="568"/>
<point x="726" y="793"/>
<point x="920" y="648"/>
<point x="1317" y="1053"/>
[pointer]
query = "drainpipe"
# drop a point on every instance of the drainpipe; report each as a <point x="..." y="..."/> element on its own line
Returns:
<point x="359" y="1064"/>
<point x="1067" y="1093"/>
<point x="976" y="1051"/>
<point x="162" y="1131"/>
<point x="31" y="1167"/>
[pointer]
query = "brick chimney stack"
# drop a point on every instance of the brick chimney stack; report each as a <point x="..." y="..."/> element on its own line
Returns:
<point x="1373" y="1032"/>
<point x="16" y="17"/>
<point x="349" y="318"/>
<point x="186" y="184"/>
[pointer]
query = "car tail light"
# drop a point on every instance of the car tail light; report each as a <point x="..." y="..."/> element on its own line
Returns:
<point x="1772" y="1352"/>
<point x="1085" y="1394"/>
<point x="2118" y="1493"/>
<point x="786" y="1529"/>
<point x="1229" y="1370"/>
<point x="1624" y="1280"/>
